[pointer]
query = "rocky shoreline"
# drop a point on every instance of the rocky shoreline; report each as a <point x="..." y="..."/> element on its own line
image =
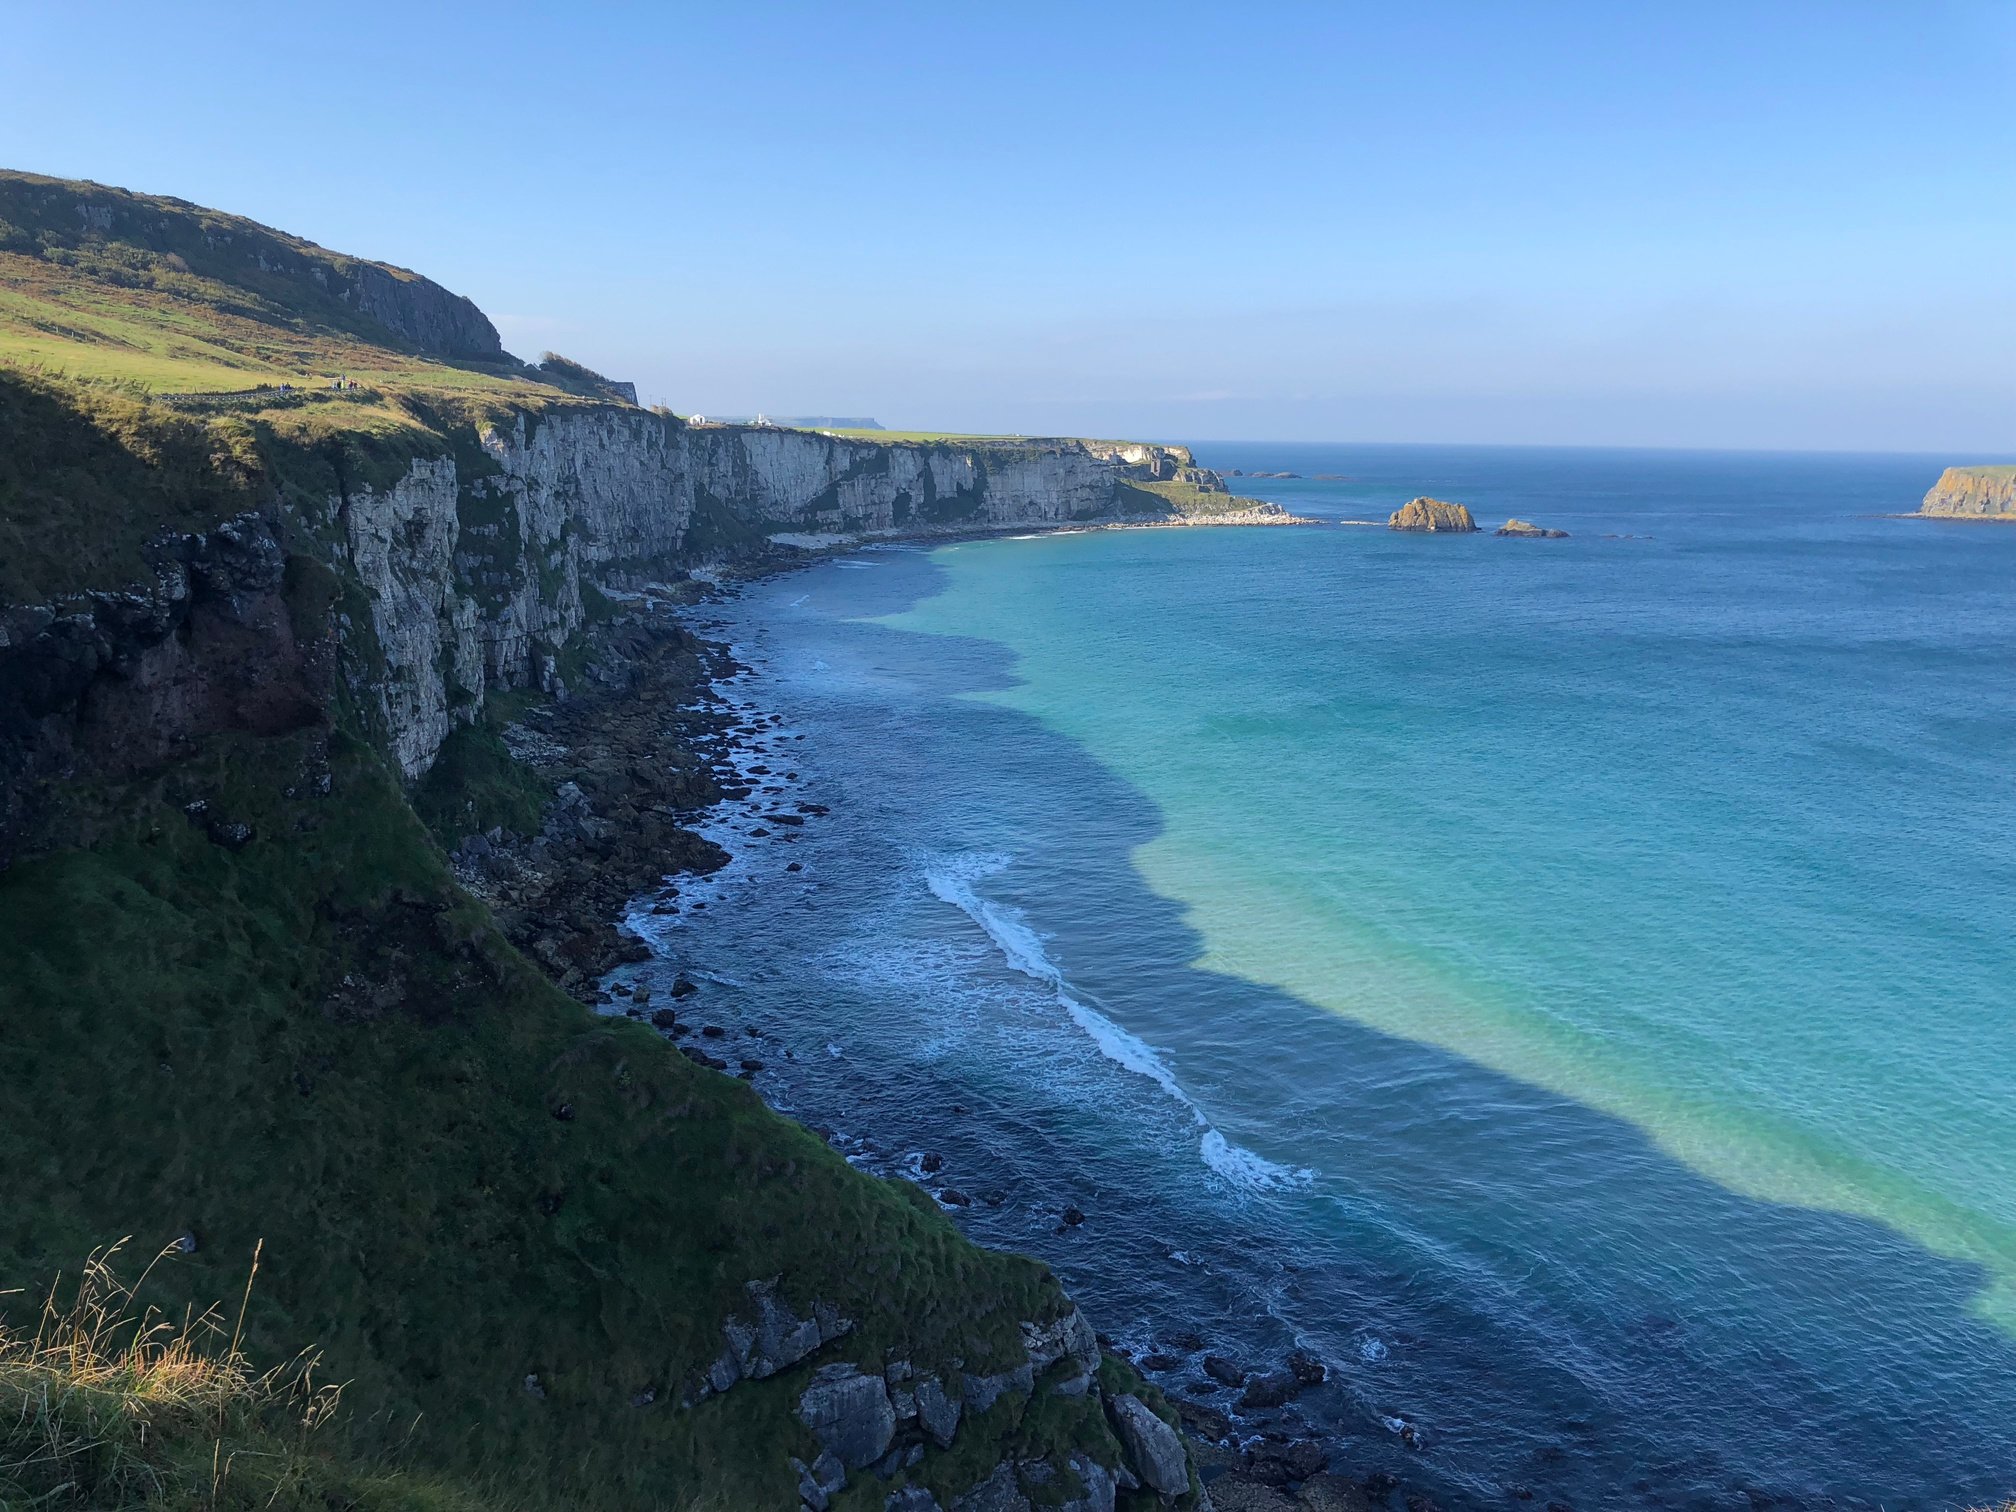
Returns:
<point x="651" y="749"/>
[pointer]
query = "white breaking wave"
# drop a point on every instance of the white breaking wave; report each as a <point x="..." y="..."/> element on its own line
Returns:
<point x="1242" y="1167"/>
<point x="951" y="880"/>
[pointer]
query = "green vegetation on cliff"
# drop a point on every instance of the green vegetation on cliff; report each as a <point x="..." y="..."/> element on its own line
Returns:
<point x="103" y="283"/>
<point x="460" y="1177"/>
<point x="247" y="1006"/>
<point x="1184" y="497"/>
<point x="88" y="473"/>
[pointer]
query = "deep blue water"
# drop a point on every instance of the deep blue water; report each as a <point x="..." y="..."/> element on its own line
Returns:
<point x="1569" y="985"/>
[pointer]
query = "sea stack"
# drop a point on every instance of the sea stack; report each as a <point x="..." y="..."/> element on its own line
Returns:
<point x="1432" y="515"/>
<point x="1972" y="493"/>
<point x="1529" y="531"/>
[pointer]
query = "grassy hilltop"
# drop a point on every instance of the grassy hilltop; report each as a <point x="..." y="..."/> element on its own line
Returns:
<point x="246" y="1004"/>
<point x="167" y="297"/>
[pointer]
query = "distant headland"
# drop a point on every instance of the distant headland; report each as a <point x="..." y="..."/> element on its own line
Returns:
<point x="1972" y="493"/>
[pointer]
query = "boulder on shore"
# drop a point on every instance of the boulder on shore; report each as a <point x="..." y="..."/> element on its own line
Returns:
<point x="1530" y="531"/>
<point x="1431" y="515"/>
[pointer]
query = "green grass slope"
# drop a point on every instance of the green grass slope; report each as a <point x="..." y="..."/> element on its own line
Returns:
<point x="513" y="1228"/>
<point x="106" y="284"/>
<point x="460" y="1177"/>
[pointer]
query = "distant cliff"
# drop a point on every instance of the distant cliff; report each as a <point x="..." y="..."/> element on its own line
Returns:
<point x="1973" y="493"/>
<point x="478" y="564"/>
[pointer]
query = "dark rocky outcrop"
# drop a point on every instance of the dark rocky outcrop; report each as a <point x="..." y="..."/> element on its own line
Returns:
<point x="108" y="685"/>
<point x="1436" y="516"/>
<point x="770" y="1337"/>
<point x="849" y="1413"/>
<point x="1528" y="530"/>
<point x="937" y="1411"/>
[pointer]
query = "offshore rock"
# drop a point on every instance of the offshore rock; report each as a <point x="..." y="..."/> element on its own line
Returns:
<point x="1431" y="515"/>
<point x="1273" y="1389"/>
<point x="1530" y="531"/>
<point x="1153" y="1448"/>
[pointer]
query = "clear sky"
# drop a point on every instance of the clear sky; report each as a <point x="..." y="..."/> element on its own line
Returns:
<point x="1769" y="223"/>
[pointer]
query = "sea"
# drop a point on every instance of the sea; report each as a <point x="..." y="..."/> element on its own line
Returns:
<point x="1566" y="986"/>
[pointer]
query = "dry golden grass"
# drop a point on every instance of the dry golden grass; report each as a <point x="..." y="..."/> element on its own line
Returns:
<point x="108" y="1403"/>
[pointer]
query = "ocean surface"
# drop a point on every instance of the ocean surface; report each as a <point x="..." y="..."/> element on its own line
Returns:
<point x="1568" y="986"/>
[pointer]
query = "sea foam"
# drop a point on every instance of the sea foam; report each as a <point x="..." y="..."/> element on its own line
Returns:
<point x="952" y="878"/>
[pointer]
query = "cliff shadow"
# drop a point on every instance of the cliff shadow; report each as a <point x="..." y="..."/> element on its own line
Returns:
<point x="1546" y="1295"/>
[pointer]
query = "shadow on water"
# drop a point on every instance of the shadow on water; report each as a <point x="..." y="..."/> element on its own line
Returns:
<point x="1557" y="1303"/>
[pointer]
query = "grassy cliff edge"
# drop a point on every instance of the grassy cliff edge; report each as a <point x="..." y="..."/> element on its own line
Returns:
<point x="249" y="1008"/>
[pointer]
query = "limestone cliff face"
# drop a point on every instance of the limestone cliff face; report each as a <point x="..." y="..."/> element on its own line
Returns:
<point x="1979" y="493"/>
<point x="478" y="565"/>
<point x="474" y="571"/>
<point x="803" y="481"/>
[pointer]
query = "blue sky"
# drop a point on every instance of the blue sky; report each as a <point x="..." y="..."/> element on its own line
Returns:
<point x="1762" y="224"/>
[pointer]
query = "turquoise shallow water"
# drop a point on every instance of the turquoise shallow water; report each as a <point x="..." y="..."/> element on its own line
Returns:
<point x="1567" y="984"/>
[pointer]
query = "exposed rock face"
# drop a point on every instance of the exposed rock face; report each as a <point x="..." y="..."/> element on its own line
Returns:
<point x="1101" y="1487"/>
<point x="771" y="1337"/>
<point x="1431" y="515"/>
<point x="418" y="311"/>
<point x="1068" y="1337"/>
<point x="1153" y="1449"/>
<point x="999" y="1492"/>
<point x="113" y="684"/>
<point x="937" y="1411"/>
<point x="1530" y="531"/>
<point x="1973" y="493"/>
<point x="849" y="1413"/>
<point x="474" y="573"/>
